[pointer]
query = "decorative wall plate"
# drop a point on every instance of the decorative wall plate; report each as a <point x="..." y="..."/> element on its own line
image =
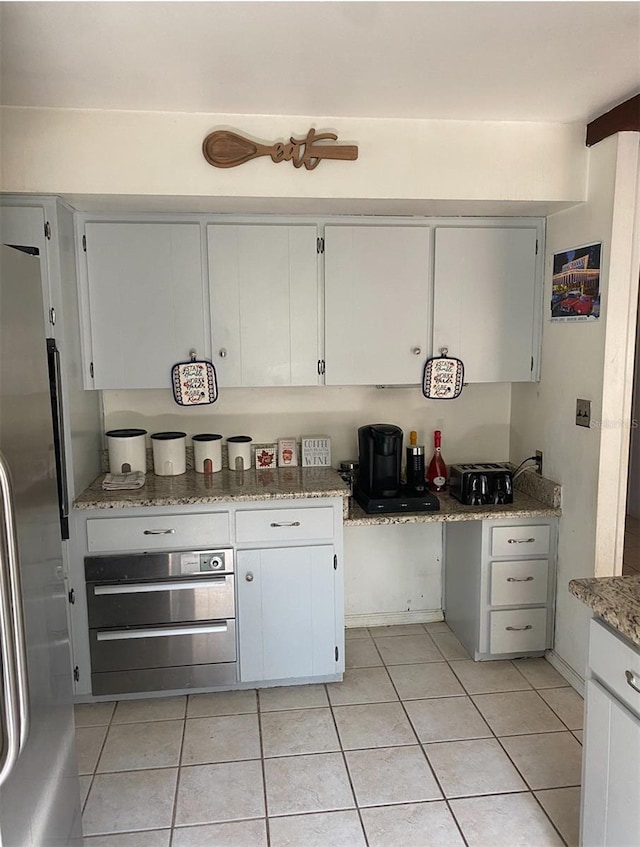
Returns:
<point x="194" y="382"/>
<point x="442" y="377"/>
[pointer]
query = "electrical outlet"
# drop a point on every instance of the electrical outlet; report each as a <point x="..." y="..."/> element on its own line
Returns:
<point x="583" y="413"/>
<point x="539" y="462"/>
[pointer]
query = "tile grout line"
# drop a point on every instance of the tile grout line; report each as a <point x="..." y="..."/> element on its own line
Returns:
<point x="264" y="769"/>
<point x="174" y="809"/>
<point x="346" y="767"/>
<point x="424" y="752"/>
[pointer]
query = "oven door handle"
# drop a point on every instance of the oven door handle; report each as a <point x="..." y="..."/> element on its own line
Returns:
<point x="148" y="587"/>
<point x="159" y="632"/>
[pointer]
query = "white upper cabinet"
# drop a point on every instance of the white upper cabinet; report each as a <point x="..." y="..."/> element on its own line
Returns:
<point x="263" y="284"/>
<point x="145" y="302"/>
<point x="377" y="281"/>
<point x="486" y="308"/>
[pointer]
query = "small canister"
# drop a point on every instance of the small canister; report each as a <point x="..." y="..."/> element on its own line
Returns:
<point x="127" y="450"/>
<point x="239" y="452"/>
<point x="169" y="453"/>
<point x="207" y="452"/>
<point x="348" y="470"/>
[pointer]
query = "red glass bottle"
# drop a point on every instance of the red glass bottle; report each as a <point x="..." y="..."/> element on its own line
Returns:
<point x="437" y="470"/>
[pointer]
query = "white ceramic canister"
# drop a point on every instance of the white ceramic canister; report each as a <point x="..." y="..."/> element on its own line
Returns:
<point x="239" y="452"/>
<point x="127" y="450"/>
<point x="169" y="453"/>
<point x="207" y="452"/>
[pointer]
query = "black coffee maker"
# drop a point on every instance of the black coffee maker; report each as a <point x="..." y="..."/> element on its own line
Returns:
<point x="378" y="488"/>
<point x="380" y="447"/>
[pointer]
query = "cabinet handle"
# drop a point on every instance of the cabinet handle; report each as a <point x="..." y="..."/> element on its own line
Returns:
<point x="416" y="351"/>
<point x="222" y="352"/>
<point x="287" y="523"/>
<point x="519" y="579"/>
<point x="159" y="532"/>
<point x="518" y="628"/>
<point x="249" y="577"/>
<point x="520" y="540"/>
<point x="631" y="680"/>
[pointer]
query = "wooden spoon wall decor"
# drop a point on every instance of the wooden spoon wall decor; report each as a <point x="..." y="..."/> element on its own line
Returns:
<point x="225" y="149"/>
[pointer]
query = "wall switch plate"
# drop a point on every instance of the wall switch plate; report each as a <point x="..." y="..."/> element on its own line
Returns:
<point x="583" y="413"/>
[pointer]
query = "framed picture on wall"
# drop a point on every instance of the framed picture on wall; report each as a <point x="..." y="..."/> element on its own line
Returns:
<point x="575" y="285"/>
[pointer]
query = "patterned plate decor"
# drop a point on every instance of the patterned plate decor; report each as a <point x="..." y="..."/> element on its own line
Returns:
<point x="194" y="382"/>
<point x="443" y="377"/>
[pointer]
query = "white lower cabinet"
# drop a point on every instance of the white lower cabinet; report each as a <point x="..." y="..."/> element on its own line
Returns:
<point x="611" y="759"/>
<point x="500" y="585"/>
<point x="286" y="613"/>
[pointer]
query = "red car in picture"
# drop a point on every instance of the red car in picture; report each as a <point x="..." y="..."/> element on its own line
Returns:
<point x="576" y="304"/>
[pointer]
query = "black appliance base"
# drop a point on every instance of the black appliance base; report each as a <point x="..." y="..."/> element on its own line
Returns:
<point x="406" y="501"/>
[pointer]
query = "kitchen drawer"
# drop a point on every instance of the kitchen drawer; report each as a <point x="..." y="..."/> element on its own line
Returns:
<point x="169" y="532"/>
<point x="284" y="524"/>
<point x="615" y="663"/>
<point x="153" y="602"/>
<point x="518" y="631"/>
<point x="165" y="646"/>
<point x="519" y="583"/>
<point x="532" y="540"/>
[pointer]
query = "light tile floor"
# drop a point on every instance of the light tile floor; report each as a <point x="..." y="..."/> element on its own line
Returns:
<point x="419" y="745"/>
<point x="631" y="555"/>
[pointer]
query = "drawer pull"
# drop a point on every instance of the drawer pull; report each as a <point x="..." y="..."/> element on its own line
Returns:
<point x="159" y="532"/>
<point x="520" y="540"/>
<point x="159" y="632"/>
<point x="518" y="628"/>
<point x="148" y="587"/>
<point x="520" y="579"/>
<point x="631" y="680"/>
<point x="287" y="523"/>
<point x="249" y="577"/>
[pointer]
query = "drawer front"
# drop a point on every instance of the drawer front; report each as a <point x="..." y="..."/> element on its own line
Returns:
<point x="518" y="631"/>
<point x="162" y="646"/>
<point x="284" y="524"/>
<point x="519" y="583"/>
<point x="512" y="541"/>
<point x="170" y="532"/>
<point x="177" y="601"/>
<point x="615" y="663"/>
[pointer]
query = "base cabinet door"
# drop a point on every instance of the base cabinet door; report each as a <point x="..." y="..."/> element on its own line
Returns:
<point x="286" y="613"/>
<point x="611" y="772"/>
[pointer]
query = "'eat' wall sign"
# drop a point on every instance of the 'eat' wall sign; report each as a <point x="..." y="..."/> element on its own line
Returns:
<point x="224" y="149"/>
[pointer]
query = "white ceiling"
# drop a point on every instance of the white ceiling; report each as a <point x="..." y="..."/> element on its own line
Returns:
<point x="518" y="61"/>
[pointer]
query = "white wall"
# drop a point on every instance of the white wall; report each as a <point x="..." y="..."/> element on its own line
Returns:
<point x="633" y="488"/>
<point x="574" y="364"/>
<point x="76" y="151"/>
<point x="474" y="426"/>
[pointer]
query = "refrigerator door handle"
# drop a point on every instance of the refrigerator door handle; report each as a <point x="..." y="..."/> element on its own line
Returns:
<point x="55" y="386"/>
<point x="15" y="685"/>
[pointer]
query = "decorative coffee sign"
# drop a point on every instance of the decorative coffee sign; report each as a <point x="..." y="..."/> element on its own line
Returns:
<point x="225" y="149"/>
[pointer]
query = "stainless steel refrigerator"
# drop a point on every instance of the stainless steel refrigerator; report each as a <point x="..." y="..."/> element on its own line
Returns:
<point x="39" y="792"/>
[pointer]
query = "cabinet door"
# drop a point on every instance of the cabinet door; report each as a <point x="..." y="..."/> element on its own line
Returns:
<point x="286" y="613"/>
<point x="376" y="304"/>
<point x="146" y="301"/>
<point x="611" y="772"/>
<point x="263" y="284"/>
<point x="485" y="301"/>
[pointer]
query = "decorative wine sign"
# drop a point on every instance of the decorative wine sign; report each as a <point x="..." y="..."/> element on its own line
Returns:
<point x="225" y="149"/>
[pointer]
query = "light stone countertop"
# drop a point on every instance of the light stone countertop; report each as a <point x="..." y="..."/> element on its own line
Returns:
<point x="194" y="488"/>
<point x="616" y="599"/>
<point x="523" y="506"/>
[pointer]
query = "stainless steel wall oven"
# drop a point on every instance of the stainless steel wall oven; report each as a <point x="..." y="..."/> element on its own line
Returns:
<point x="161" y="621"/>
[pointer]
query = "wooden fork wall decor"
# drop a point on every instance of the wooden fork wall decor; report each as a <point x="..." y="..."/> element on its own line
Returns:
<point x="225" y="149"/>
